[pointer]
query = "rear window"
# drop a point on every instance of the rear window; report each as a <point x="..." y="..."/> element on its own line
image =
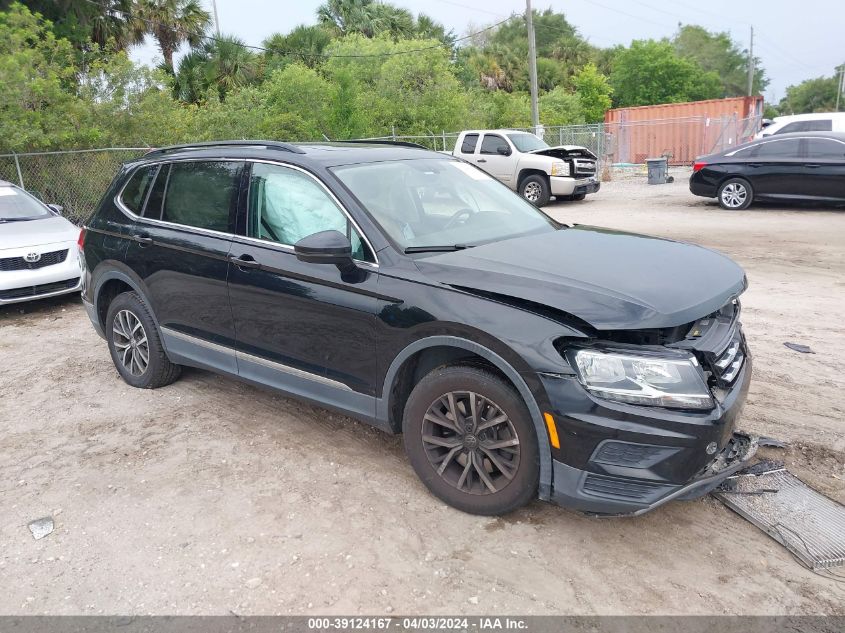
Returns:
<point x="470" y="141"/>
<point x="202" y="194"/>
<point x="135" y="191"/>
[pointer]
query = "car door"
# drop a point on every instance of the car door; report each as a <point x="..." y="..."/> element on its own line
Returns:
<point x="180" y="246"/>
<point x="776" y="169"/>
<point x="489" y="158"/>
<point x="824" y="170"/>
<point x="305" y="328"/>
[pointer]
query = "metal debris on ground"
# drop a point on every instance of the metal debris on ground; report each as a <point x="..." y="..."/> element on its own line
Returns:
<point x="41" y="527"/>
<point x="807" y="523"/>
<point x="798" y="347"/>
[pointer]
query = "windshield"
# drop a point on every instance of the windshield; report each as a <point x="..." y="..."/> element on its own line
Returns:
<point x="527" y="142"/>
<point x="16" y="205"/>
<point x="435" y="202"/>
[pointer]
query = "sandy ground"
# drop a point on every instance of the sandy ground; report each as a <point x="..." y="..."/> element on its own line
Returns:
<point x="211" y="497"/>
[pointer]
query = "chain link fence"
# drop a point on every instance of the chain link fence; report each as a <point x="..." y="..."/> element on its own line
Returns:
<point x="76" y="180"/>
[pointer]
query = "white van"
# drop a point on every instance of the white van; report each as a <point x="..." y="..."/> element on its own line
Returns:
<point x="813" y="122"/>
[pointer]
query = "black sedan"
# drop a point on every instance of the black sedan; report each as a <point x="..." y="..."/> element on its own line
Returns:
<point x="805" y="166"/>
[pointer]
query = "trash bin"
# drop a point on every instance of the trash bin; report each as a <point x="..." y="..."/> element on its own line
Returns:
<point x="658" y="168"/>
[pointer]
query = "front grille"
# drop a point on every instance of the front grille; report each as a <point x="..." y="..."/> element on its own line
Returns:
<point x="584" y="168"/>
<point x="631" y="455"/>
<point x="34" y="291"/>
<point x="727" y="364"/>
<point x="623" y="489"/>
<point x="19" y="263"/>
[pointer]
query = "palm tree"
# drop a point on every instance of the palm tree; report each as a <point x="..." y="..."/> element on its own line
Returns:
<point x="223" y="64"/>
<point x="171" y="23"/>
<point x="304" y="43"/>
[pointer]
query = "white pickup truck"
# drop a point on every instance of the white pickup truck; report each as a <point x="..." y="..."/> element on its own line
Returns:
<point x="529" y="166"/>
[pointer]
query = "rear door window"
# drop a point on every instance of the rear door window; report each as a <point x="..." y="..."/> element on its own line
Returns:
<point x="492" y="143"/>
<point x="825" y="149"/>
<point x="135" y="192"/>
<point x="785" y="149"/>
<point x="156" y="197"/>
<point x="202" y="194"/>
<point x="468" y="146"/>
<point x="816" y="125"/>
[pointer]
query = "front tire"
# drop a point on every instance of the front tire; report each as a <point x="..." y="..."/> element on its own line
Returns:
<point x="735" y="194"/>
<point x="470" y="439"/>
<point x="135" y="345"/>
<point x="536" y="190"/>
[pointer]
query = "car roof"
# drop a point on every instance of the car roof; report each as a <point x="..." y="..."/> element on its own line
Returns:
<point x="328" y="154"/>
<point x="6" y="183"/>
<point x="809" y="116"/>
<point x="499" y="131"/>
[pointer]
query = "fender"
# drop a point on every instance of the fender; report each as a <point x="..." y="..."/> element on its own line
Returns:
<point x="382" y="403"/>
<point x="118" y="270"/>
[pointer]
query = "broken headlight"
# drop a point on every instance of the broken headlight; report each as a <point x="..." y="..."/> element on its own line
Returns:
<point x="646" y="380"/>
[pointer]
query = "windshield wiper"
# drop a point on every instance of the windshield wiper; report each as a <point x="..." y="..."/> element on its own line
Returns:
<point x="448" y="248"/>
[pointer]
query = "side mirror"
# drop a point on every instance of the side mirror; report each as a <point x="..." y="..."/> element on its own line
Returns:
<point x="325" y="247"/>
<point x="504" y="151"/>
<point x="56" y="208"/>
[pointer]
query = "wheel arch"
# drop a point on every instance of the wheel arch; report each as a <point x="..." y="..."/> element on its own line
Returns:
<point x="530" y="171"/>
<point x="425" y="354"/>
<point x="112" y="283"/>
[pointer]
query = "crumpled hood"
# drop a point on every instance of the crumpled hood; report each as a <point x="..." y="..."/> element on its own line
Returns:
<point x="36" y="232"/>
<point x="610" y="279"/>
<point x="565" y="151"/>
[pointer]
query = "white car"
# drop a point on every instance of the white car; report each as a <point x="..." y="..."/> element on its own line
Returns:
<point x="812" y="122"/>
<point x="529" y="166"/>
<point x="38" y="248"/>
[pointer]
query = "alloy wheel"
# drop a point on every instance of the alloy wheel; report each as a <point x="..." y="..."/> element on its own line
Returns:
<point x="130" y="342"/>
<point x="471" y="442"/>
<point x="734" y="195"/>
<point x="531" y="192"/>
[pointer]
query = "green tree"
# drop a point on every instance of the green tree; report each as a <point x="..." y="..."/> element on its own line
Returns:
<point x="718" y="53"/>
<point x="304" y="44"/>
<point x="593" y="90"/>
<point x="559" y="107"/>
<point x="650" y="72"/>
<point x="171" y="23"/>
<point x="811" y="95"/>
<point x="366" y="17"/>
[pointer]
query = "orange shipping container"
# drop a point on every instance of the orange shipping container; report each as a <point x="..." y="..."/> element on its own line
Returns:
<point x="680" y="131"/>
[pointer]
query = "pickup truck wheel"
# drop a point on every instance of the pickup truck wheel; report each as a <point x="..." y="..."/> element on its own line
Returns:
<point x="535" y="189"/>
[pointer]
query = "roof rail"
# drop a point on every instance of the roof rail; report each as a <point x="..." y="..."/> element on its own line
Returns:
<point x="285" y="147"/>
<point x="383" y="142"/>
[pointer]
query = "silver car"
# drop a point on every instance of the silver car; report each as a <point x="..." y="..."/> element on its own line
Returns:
<point x="38" y="248"/>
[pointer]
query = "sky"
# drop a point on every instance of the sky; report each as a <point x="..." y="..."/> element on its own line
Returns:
<point x="793" y="44"/>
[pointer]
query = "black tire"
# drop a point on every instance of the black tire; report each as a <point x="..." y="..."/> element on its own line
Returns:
<point x="536" y="190"/>
<point x="579" y="196"/>
<point x="735" y="194"/>
<point x="127" y="313"/>
<point x="486" y="489"/>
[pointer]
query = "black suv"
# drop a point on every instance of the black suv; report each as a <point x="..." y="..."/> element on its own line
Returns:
<point x="520" y="357"/>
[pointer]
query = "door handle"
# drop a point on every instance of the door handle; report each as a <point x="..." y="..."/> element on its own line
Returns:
<point x="244" y="261"/>
<point x="482" y="160"/>
<point x="812" y="166"/>
<point x="143" y="240"/>
<point x="753" y="164"/>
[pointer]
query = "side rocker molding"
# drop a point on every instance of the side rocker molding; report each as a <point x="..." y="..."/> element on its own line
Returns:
<point x="383" y="403"/>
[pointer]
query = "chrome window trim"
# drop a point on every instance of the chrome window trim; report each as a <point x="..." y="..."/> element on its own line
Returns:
<point x="139" y="218"/>
<point x="240" y="238"/>
<point x="258" y="360"/>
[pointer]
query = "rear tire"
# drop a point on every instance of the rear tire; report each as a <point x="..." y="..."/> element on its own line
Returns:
<point x="135" y="345"/>
<point x="536" y="190"/>
<point x="735" y="194"/>
<point x="483" y="460"/>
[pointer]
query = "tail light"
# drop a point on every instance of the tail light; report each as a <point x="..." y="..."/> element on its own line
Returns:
<point x="698" y="165"/>
<point x="80" y="242"/>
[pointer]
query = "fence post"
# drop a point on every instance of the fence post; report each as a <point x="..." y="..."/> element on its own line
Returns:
<point x="393" y="131"/>
<point x="18" y="167"/>
<point x="444" y="139"/>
